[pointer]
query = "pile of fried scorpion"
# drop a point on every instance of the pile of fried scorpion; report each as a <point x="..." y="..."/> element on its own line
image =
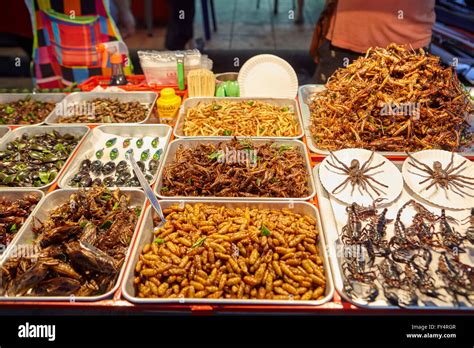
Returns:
<point x="419" y="265"/>
<point x="79" y="249"/>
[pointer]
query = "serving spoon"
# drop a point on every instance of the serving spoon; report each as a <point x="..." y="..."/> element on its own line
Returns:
<point x="147" y="188"/>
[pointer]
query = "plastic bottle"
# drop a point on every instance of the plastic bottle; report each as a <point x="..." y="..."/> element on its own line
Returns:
<point x="168" y="105"/>
<point x="106" y="49"/>
<point x="118" y="77"/>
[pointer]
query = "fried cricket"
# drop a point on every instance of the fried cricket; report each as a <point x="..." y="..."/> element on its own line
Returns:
<point x="393" y="99"/>
<point x="237" y="168"/>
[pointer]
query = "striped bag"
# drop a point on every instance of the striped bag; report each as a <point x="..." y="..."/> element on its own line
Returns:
<point x="66" y="33"/>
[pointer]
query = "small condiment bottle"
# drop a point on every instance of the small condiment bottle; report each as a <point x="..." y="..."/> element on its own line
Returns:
<point x="168" y="105"/>
<point x="118" y="77"/>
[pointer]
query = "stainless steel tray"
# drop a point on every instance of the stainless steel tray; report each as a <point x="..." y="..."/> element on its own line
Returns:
<point x="304" y="95"/>
<point x="79" y="131"/>
<point x="45" y="97"/>
<point x="191" y="102"/>
<point x="14" y="194"/>
<point x="332" y="225"/>
<point x="145" y="98"/>
<point x="3" y="131"/>
<point x="145" y="236"/>
<point x="126" y="130"/>
<point x="174" y="145"/>
<point x="27" y="237"/>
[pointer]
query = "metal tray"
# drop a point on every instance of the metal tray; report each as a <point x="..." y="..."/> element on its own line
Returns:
<point x="174" y="145"/>
<point x="304" y="94"/>
<point x="80" y="131"/>
<point x="45" y="97"/>
<point x="3" y="131"/>
<point x="130" y="130"/>
<point x="145" y="236"/>
<point x="191" y="102"/>
<point x="14" y="194"/>
<point x="26" y="238"/>
<point x="146" y="98"/>
<point x="331" y="231"/>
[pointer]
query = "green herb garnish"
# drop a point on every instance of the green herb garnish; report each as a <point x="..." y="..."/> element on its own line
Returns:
<point x="199" y="242"/>
<point x="116" y="205"/>
<point x="20" y="166"/>
<point x="250" y="102"/>
<point x="138" y="211"/>
<point x="106" y="225"/>
<point x="216" y="107"/>
<point x="284" y="148"/>
<point x="159" y="240"/>
<point x="44" y="177"/>
<point x="59" y="147"/>
<point x="227" y="132"/>
<point x="13" y="228"/>
<point x="246" y="144"/>
<point x="265" y="231"/>
<point x="9" y="110"/>
<point x="83" y="224"/>
<point x="216" y="155"/>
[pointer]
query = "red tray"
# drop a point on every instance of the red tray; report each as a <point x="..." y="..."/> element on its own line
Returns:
<point x="136" y="83"/>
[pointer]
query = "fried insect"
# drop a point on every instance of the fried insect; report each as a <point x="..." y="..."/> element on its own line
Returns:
<point x="393" y="99"/>
<point x="79" y="249"/>
<point x="209" y="251"/>
<point x="236" y="168"/>
<point x="13" y="214"/>
<point x="447" y="178"/>
<point x="102" y="110"/>
<point x="25" y="111"/>
<point x="458" y="277"/>
<point x="402" y="266"/>
<point x="240" y="118"/>
<point x="35" y="159"/>
<point x="357" y="175"/>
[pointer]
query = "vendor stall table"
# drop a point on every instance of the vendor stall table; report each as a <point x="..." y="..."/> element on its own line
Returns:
<point x="117" y="303"/>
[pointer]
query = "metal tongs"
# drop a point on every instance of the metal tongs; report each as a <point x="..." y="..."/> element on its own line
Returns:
<point x="146" y="187"/>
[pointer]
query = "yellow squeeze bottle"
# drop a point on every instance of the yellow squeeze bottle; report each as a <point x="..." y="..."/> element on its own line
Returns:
<point x="168" y="105"/>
